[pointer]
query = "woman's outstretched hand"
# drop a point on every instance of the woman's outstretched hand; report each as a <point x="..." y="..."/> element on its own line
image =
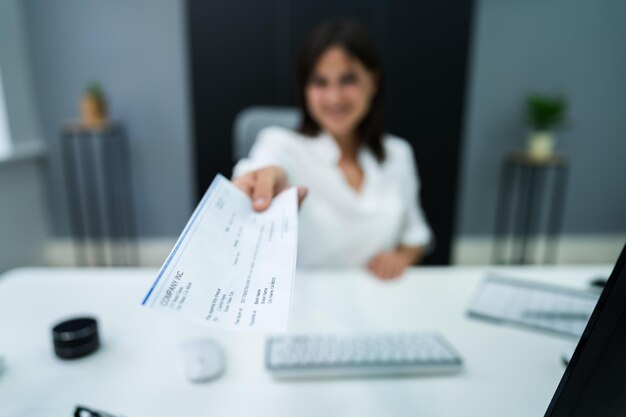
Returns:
<point x="262" y="185"/>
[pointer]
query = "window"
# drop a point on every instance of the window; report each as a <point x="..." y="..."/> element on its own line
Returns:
<point x="5" y="136"/>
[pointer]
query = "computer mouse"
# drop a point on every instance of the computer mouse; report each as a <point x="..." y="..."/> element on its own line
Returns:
<point x="203" y="360"/>
<point x="598" y="282"/>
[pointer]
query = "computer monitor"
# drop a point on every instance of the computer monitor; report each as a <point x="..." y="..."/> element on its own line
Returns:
<point x="594" y="383"/>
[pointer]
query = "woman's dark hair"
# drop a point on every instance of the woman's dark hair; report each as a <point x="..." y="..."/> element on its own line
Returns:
<point x="354" y="39"/>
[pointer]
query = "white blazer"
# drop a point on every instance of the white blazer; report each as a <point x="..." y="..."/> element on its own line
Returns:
<point x="339" y="226"/>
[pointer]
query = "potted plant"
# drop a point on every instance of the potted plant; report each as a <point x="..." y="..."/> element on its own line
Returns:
<point x="543" y="114"/>
<point x="93" y="107"/>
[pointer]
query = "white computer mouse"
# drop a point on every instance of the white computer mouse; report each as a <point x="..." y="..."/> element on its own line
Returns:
<point x="203" y="360"/>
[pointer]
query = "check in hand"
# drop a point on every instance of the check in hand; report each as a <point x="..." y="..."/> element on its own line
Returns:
<point x="262" y="185"/>
<point x="232" y="267"/>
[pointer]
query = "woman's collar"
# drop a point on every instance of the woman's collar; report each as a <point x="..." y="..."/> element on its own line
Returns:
<point x="328" y="149"/>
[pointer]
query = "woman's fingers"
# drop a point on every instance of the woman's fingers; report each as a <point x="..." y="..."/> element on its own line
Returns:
<point x="377" y="266"/>
<point x="265" y="186"/>
<point x="302" y="192"/>
<point x="386" y="269"/>
<point x="398" y="269"/>
<point x="395" y="271"/>
<point x="262" y="186"/>
<point x="245" y="183"/>
<point x="386" y="265"/>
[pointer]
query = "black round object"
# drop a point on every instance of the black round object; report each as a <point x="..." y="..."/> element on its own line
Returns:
<point x="75" y="338"/>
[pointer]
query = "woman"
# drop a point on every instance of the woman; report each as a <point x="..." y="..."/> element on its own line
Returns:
<point x="362" y="204"/>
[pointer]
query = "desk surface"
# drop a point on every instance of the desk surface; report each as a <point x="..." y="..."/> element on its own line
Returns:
<point x="508" y="371"/>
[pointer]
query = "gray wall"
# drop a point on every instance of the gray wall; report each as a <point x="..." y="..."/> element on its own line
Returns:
<point x="137" y="50"/>
<point x="23" y="221"/>
<point x="577" y="47"/>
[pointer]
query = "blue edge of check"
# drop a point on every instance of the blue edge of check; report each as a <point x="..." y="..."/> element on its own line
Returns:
<point x="218" y="178"/>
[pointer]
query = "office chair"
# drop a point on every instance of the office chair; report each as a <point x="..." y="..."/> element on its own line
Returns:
<point x="251" y="120"/>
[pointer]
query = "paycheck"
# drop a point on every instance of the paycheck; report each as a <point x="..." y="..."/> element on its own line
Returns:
<point x="232" y="268"/>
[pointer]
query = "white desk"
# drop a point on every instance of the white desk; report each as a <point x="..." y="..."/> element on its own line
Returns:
<point x="507" y="371"/>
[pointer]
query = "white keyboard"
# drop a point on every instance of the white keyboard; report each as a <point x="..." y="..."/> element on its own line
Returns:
<point x="548" y="307"/>
<point x="348" y="356"/>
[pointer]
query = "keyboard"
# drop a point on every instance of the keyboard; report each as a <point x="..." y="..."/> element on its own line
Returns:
<point x="551" y="308"/>
<point x="334" y="356"/>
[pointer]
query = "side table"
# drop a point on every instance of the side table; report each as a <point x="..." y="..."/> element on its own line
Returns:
<point x="99" y="193"/>
<point x="524" y="182"/>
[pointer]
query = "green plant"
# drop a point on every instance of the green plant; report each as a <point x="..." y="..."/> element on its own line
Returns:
<point x="544" y="112"/>
<point x="95" y="90"/>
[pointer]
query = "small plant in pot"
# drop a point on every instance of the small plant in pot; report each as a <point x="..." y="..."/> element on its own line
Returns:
<point x="544" y="113"/>
<point x="93" y="107"/>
